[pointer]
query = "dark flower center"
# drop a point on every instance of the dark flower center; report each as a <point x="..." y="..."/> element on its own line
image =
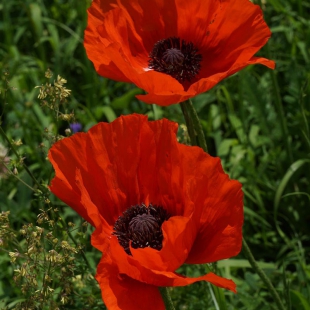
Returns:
<point x="176" y="58"/>
<point x="142" y="226"/>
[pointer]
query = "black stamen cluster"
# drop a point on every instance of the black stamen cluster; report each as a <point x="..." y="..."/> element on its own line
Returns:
<point x="142" y="226"/>
<point x="176" y="58"/>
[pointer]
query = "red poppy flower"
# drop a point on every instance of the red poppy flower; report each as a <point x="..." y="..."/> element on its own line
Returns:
<point x="155" y="205"/>
<point x="174" y="49"/>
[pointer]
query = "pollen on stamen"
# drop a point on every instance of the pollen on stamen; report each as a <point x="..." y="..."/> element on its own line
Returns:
<point x="140" y="227"/>
<point x="176" y="58"/>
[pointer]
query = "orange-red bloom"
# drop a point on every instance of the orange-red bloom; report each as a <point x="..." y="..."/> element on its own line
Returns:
<point x="174" y="49"/>
<point x="155" y="205"/>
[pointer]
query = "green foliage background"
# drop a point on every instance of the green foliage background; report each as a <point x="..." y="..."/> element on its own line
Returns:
<point x="257" y="121"/>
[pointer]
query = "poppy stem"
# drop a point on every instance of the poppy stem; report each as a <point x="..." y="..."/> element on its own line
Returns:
<point x="193" y="124"/>
<point x="262" y="275"/>
<point x="189" y="123"/>
<point x="166" y="297"/>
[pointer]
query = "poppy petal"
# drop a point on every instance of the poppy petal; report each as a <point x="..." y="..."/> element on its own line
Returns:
<point x="124" y="52"/>
<point x="166" y="98"/>
<point x="218" y="206"/>
<point x="220" y="233"/>
<point x="121" y="292"/>
<point x="132" y="161"/>
<point x="113" y="153"/>
<point x="236" y="34"/>
<point x="94" y="45"/>
<point x="63" y="185"/>
<point x="117" y="27"/>
<point x="179" y="233"/>
<point x="204" y="13"/>
<point x="131" y="267"/>
<point x="121" y="34"/>
<point x="103" y="229"/>
<point x="263" y="61"/>
<point x="168" y="175"/>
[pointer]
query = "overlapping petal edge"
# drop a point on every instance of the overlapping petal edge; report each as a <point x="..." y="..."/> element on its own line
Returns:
<point x="132" y="161"/>
<point x="121" y="34"/>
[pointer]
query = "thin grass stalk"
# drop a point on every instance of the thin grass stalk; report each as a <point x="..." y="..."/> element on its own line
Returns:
<point x="280" y="111"/>
<point x="262" y="275"/>
<point x="216" y="306"/>
<point x="217" y="294"/>
<point x="19" y="157"/>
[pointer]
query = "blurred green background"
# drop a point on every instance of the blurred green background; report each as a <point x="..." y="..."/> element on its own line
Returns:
<point x="256" y="121"/>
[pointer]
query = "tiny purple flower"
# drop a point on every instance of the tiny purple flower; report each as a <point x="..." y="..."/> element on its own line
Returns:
<point x="75" y="127"/>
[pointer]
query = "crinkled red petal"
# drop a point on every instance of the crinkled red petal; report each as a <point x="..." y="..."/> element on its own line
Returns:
<point x="132" y="161"/>
<point x="131" y="267"/>
<point x="120" y="292"/>
<point x="65" y="159"/>
<point x="121" y="34"/>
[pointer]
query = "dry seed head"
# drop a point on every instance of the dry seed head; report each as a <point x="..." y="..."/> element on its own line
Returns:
<point x="47" y="278"/>
<point x="85" y="224"/>
<point x="4" y="216"/>
<point x="34" y="281"/>
<point x="48" y="73"/>
<point x="78" y="281"/>
<point x="68" y="132"/>
<point x="53" y="256"/>
<point x="4" y="161"/>
<point x="39" y="229"/>
<point x="13" y="256"/>
<point x="31" y="250"/>
<point x="49" y="235"/>
<point x="17" y="143"/>
<point x="64" y="299"/>
<point x="65" y="245"/>
<point x="23" y="271"/>
<point x="66" y="117"/>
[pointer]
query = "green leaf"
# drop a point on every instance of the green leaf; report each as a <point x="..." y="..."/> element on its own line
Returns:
<point x="279" y="193"/>
<point x="237" y="125"/>
<point x="106" y="111"/>
<point x="36" y="19"/>
<point x="225" y="146"/>
<point x="288" y="175"/>
<point x="124" y="101"/>
<point x="299" y="301"/>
